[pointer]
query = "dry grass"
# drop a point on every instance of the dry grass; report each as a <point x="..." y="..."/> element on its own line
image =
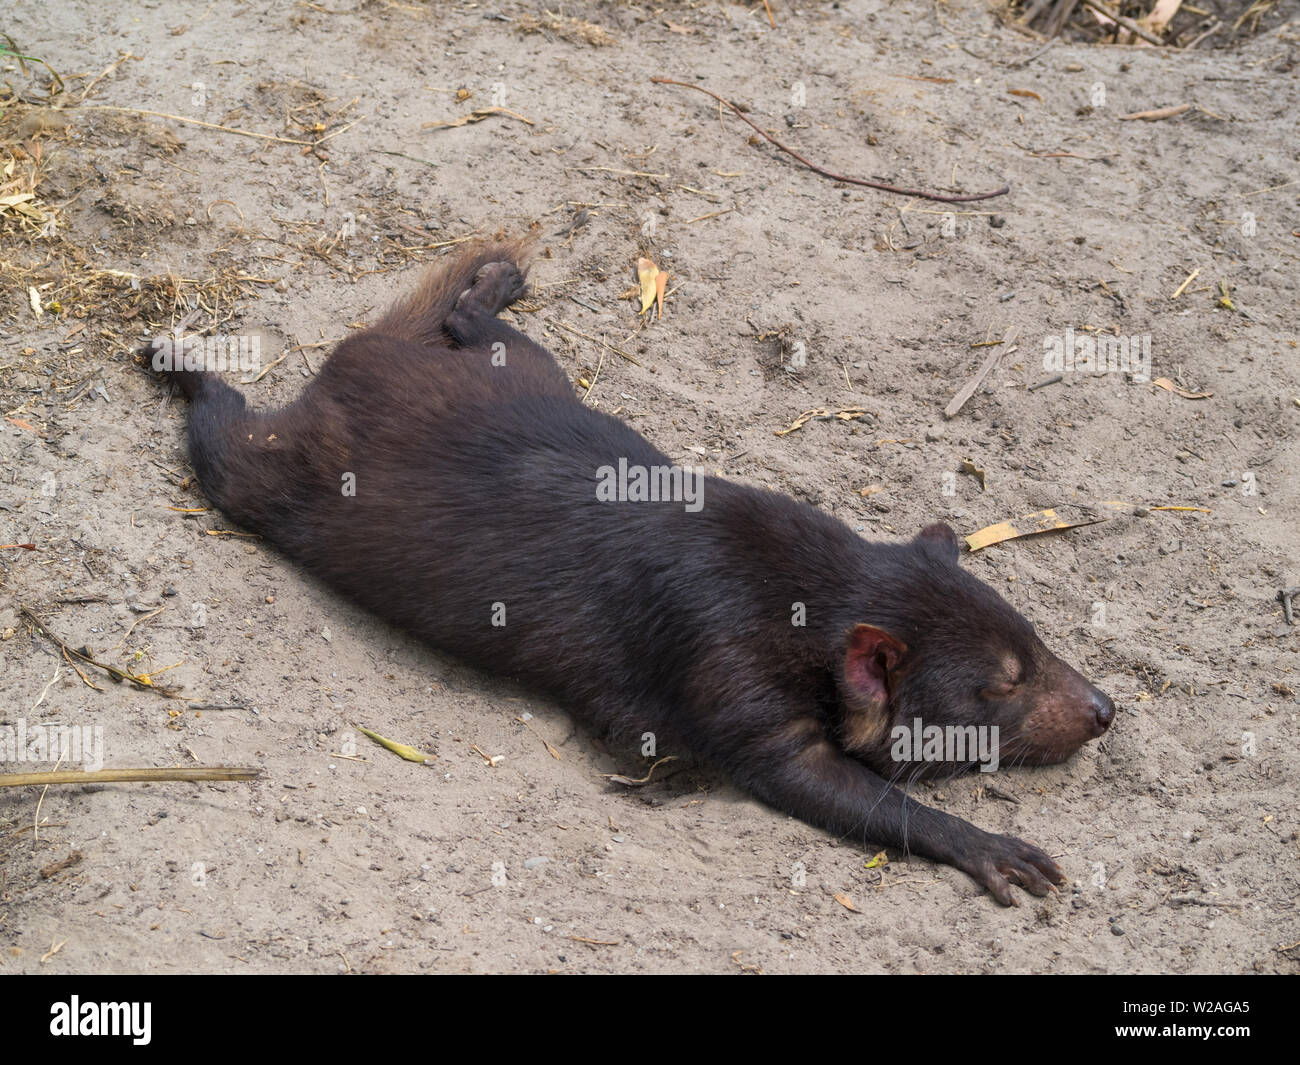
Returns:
<point x="1145" y="23"/>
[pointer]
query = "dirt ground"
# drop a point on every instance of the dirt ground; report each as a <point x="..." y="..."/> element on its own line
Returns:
<point x="788" y="292"/>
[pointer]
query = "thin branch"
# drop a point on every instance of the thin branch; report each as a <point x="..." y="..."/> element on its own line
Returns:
<point x="197" y="122"/>
<point x="921" y="193"/>
<point x="111" y="776"/>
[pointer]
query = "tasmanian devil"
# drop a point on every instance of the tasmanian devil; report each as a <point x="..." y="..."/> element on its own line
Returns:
<point x="441" y="471"/>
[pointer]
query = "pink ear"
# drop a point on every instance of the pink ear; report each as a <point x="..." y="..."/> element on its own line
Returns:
<point x="872" y="655"/>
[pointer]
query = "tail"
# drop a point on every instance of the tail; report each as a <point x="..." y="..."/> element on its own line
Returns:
<point x="420" y="316"/>
<point x="165" y="356"/>
<point x="219" y="428"/>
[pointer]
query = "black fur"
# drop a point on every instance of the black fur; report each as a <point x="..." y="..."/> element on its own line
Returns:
<point x="475" y="471"/>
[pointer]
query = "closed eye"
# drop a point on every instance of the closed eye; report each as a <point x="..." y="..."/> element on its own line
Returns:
<point x="999" y="691"/>
<point x="1008" y="676"/>
<point x="1013" y="676"/>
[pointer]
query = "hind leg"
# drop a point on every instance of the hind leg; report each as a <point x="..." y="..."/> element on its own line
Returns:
<point x="474" y="318"/>
<point x="473" y="323"/>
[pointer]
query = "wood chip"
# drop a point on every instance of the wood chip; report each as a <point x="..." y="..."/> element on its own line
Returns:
<point x="1157" y="114"/>
<point x="1169" y="386"/>
<point x="959" y="400"/>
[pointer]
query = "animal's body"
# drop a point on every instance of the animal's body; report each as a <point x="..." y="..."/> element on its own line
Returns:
<point x="441" y="471"/>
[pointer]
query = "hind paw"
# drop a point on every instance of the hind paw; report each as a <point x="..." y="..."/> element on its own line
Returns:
<point x="496" y="286"/>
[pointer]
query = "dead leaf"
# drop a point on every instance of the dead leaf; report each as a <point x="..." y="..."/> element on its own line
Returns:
<point x="975" y="471"/>
<point x="17" y="200"/>
<point x="1040" y="521"/>
<point x="647" y="273"/>
<point x="1026" y="92"/>
<point x="401" y="749"/>
<point x="878" y="860"/>
<point x="477" y="116"/>
<point x="1169" y="386"/>
<point x="844" y="414"/>
<point x="846" y="902"/>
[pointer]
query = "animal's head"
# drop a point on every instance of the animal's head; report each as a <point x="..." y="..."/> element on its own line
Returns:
<point x="943" y="662"/>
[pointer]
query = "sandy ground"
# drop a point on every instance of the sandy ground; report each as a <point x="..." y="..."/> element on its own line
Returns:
<point x="1178" y="830"/>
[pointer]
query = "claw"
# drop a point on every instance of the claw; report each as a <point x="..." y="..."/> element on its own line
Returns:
<point x="1005" y="860"/>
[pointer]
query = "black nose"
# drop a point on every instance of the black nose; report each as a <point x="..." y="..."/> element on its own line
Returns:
<point x="1104" y="710"/>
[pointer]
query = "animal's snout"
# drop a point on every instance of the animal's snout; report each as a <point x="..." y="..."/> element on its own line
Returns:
<point x="1103" y="710"/>
<point x="1065" y="712"/>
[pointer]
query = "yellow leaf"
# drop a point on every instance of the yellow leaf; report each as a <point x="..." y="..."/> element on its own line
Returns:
<point x="409" y="753"/>
<point x="1040" y="521"/>
<point x="975" y="471"/>
<point x="646" y="273"/>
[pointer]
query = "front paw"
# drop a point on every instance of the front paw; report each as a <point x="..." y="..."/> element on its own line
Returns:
<point x="997" y="862"/>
